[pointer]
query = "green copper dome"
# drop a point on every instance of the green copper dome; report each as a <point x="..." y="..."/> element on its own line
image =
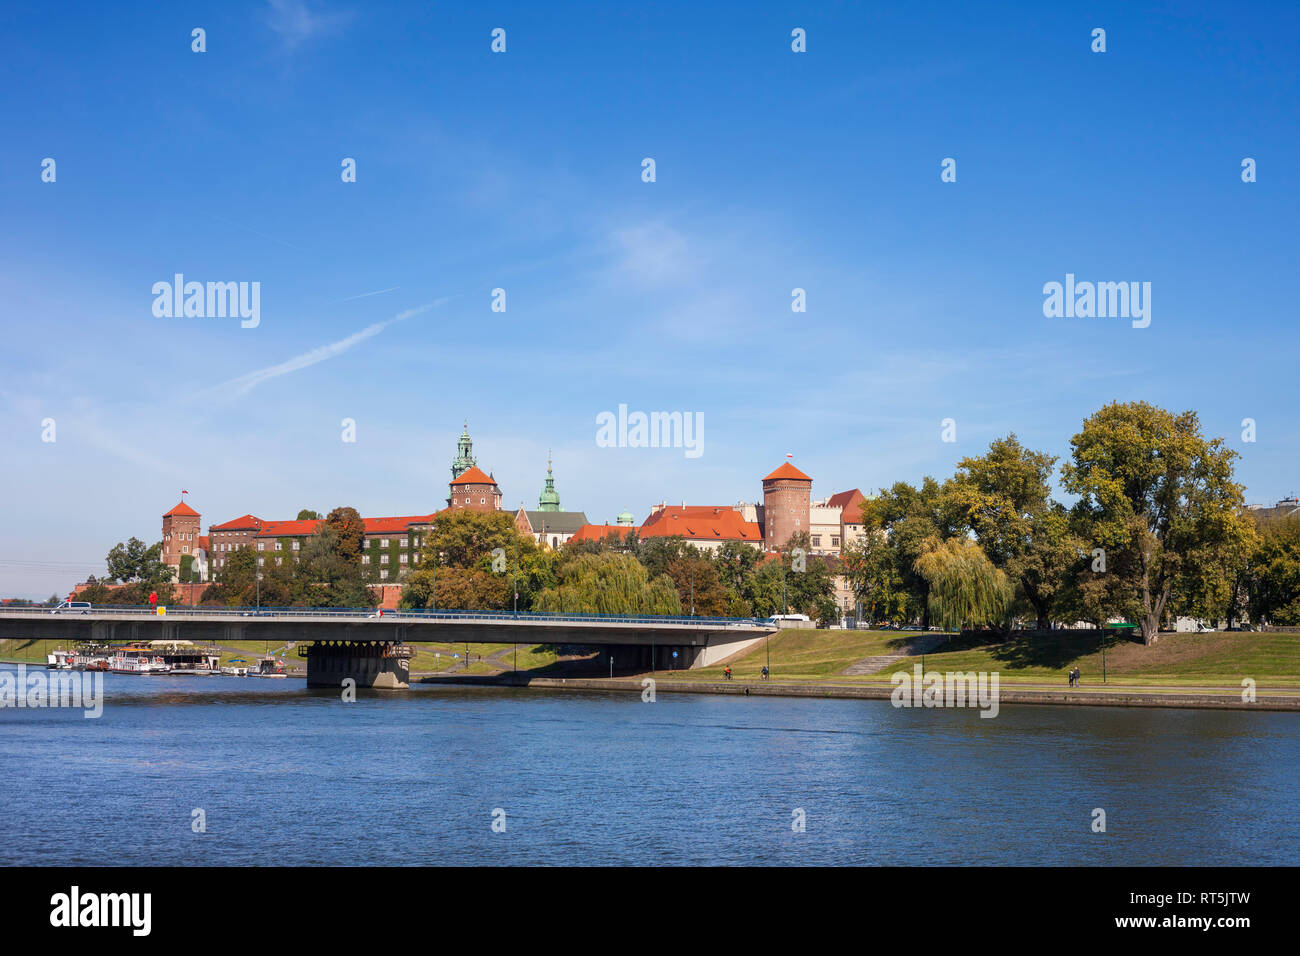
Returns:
<point x="626" y="519"/>
<point x="549" y="499"/>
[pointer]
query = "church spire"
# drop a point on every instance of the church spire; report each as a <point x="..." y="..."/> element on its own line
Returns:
<point x="464" y="460"/>
<point x="549" y="499"/>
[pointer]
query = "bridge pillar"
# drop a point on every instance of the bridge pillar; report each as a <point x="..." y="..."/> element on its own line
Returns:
<point x="379" y="664"/>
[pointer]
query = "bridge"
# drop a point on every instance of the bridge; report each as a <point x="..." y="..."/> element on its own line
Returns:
<point x="367" y="645"/>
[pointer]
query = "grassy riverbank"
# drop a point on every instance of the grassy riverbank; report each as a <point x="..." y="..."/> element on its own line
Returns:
<point x="1175" y="660"/>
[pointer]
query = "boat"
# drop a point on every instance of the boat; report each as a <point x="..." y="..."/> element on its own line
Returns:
<point x="137" y="660"/>
<point x="60" y="660"/>
<point x="269" y="667"/>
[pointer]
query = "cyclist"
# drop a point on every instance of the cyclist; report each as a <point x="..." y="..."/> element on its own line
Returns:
<point x="764" y="672"/>
<point x="727" y="672"/>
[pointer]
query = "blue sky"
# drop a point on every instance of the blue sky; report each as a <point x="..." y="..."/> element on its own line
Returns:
<point x="522" y="171"/>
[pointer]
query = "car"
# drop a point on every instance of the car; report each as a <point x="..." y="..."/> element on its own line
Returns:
<point x="72" y="607"/>
<point x="789" y="617"/>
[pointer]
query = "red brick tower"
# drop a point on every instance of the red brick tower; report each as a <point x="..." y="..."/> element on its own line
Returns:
<point x="474" y="490"/>
<point x="180" y="534"/>
<point x="787" y="501"/>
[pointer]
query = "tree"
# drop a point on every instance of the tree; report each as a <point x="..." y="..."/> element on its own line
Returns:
<point x="236" y="581"/>
<point x="458" y="570"/>
<point x="137" y="562"/>
<point x="873" y="573"/>
<point x="1156" y="494"/>
<point x="307" y="515"/>
<point x="1273" y="574"/>
<point x="609" y="584"/>
<point x="699" y="588"/>
<point x="1004" y="498"/>
<point x="350" y="532"/>
<point x="964" y="586"/>
<point x="903" y="518"/>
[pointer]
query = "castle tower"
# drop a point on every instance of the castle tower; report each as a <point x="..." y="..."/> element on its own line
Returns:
<point x="464" y="459"/>
<point x="180" y="534"/>
<point x="549" y="499"/>
<point x="787" y="503"/>
<point x="475" y="491"/>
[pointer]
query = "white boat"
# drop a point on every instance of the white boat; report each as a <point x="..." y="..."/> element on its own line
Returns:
<point x="137" y="665"/>
<point x="60" y="660"/>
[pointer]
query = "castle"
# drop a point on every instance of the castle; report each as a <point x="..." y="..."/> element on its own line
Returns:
<point x="392" y="545"/>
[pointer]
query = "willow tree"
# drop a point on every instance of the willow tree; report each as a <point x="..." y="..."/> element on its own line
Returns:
<point x="608" y="583"/>
<point x="964" y="586"/>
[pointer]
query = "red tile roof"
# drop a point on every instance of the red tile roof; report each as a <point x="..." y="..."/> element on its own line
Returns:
<point x="850" y="505"/>
<point x="395" y="525"/>
<point x="182" y="509"/>
<point x="598" y="532"/>
<point x="701" y="523"/>
<point x="787" y="471"/>
<point x="204" y="543"/>
<point x="473" y="476"/>
<point x="287" y="529"/>
<point x="238" y="524"/>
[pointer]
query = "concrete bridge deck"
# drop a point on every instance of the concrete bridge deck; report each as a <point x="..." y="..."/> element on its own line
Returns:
<point x="222" y="625"/>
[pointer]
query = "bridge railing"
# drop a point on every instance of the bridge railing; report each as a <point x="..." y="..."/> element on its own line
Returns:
<point x="316" y="613"/>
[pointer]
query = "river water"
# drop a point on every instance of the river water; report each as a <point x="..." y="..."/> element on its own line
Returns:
<point x="284" y="775"/>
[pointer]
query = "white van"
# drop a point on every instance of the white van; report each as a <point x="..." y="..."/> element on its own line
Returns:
<point x="775" y="618"/>
<point x="72" y="607"/>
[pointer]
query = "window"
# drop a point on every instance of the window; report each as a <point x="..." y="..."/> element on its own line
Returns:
<point x="295" y="546"/>
<point x="416" y="559"/>
<point x="482" y="501"/>
<point x="466" y="501"/>
<point x="185" y="548"/>
<point x="365" y="559"/>
<point x="835" y="541"/>
<point x="261" y="546"/>
<point x="403" y="559"/>
<point x="279" y="561"/>
<point x="279" y="545"/>
<point x="383" y="559"/>
<point x="817" y="541"/>
<point x="383" y="575"/>
<point x="404" y="543"/>
<point x="261" y="561"/>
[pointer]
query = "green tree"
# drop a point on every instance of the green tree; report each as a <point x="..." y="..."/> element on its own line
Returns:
<point x="609" y="584"/>
<point x="1004" y="498"/>
<point x="964" y="586"/>
<point x="137" y="562"/>
<point x="1273" y="574"/>
<point x="308" y="515"/>
<point x="1156" y="494"/>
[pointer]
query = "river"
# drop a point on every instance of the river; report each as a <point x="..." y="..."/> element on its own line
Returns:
<point x="284" y="775"/>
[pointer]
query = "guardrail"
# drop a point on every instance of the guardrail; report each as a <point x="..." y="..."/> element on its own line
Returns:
<point x="300" y="613"/>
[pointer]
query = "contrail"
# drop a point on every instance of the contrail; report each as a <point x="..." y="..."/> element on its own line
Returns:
<point x="243" y="384"/>
<point x="367" y="294"/>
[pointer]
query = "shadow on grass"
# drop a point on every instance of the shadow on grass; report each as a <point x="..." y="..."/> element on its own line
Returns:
<point x="1051" y="651"/>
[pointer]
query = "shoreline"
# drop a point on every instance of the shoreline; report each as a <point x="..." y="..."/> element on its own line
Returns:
<point x="1119" y="697"/>
<point x="1098" y="698"/>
